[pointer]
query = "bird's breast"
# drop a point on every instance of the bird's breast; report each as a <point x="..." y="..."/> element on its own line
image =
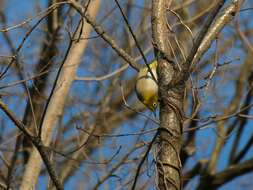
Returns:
<point x="146" y="87"/>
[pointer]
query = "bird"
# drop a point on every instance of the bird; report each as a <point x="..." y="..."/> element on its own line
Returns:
<point x="146" y="86"/>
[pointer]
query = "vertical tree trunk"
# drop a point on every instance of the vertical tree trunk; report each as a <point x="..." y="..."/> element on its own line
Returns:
<point x="171" y="104"/>
<point x="56" y="104"/>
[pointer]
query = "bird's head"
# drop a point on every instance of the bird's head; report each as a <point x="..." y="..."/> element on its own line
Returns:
<point x="151" y="102"/>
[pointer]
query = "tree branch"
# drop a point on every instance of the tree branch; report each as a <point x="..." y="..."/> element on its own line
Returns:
<point x="169" y="143"/>
<point x="100" y="31"/>
<point x="56" y="102"/>
<point x="37" y="143"/>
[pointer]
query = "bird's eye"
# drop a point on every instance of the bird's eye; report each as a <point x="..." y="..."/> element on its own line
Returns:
<point x="154" y="104"/>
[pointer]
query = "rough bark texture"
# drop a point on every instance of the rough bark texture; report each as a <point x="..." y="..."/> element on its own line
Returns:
<point x="171" y="98"/>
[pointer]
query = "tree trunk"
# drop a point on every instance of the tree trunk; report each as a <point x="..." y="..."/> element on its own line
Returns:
<point x="171" y="104"/>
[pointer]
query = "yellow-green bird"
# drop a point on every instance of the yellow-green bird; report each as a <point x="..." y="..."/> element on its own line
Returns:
<point x="146" y="86"/>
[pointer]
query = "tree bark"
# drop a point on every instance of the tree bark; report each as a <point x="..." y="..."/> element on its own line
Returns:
<point x="171" y="106"/>
<point x="56" y="104"/>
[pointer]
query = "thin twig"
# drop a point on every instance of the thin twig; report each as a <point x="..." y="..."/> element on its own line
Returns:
<point x="187" y="64"/>
<point x="135" y="40"/>
<point x="104" y="77"/>
<point x="37" y="143"/>
<point x="100" y="31"/>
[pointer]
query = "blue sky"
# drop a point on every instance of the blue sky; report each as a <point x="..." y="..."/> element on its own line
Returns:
<point x="205" y="138"/>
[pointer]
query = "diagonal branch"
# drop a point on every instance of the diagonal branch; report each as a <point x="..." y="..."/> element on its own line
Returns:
<point x="55" y="106"/>
<point x="37" y="143"/>
<point x="202" y="42"/>
<point x="100" y="31"/>
<point x="232" y="172"/>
